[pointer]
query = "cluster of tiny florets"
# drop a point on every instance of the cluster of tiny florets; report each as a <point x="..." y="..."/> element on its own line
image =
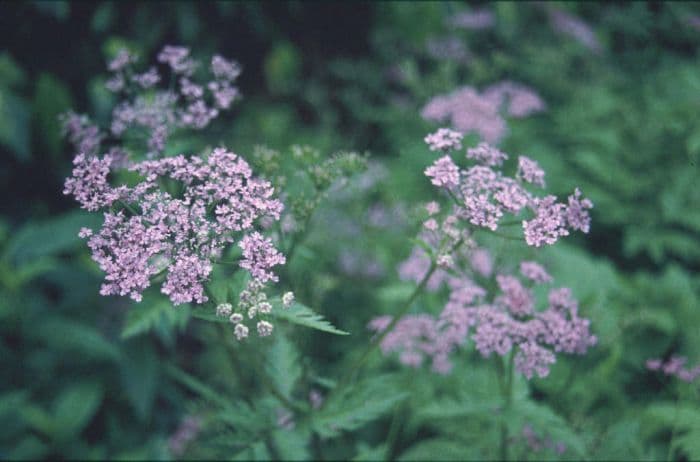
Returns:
<point x="507" y="321"/>
<point x="444" y="140"/>
<point x="472" y="20"/>
<point x="469" y="111"/>
<point x="148" y="107"/>
<point x="675" y="366"/>
<point x="573" y="26"/>
<point x="496" y="310"/>
<point x="483" y="195"/>
<point x="147" y="230"/>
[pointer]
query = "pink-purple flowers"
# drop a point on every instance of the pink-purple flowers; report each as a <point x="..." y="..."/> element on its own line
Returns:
<point x="502" y="322"/>
<point x="482" y="194"/>
<point x="149" y="110"/>
<point x="496" y="310"/>
<point x="184" y="211"/>
<point x="148" y="230"/>
<point x="467" y="110"/>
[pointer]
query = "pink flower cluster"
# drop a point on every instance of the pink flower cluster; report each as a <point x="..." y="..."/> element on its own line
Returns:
<point x="675" y="366"/>
<point x="519" y="100"/>
<point x="148" y="231"/>
<point x="483" y="195"/>
<point x="509" y="322"/>
<point x="186" y="432"/>
<point x="444" y="139"/>
<point x="147" y="110"/>
<point x="568" y="24"/>
<point x="472" y="20"/>
<point x="469" y="111"/>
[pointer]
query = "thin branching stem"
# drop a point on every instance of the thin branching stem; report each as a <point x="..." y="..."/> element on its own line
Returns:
<point x="377" y="340"/>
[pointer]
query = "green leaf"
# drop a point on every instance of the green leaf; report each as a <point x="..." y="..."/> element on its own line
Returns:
<point x="545" y="421"/>
<point x="283" y="364"/>
<point x="257" y="451"/>
<point x="621" y="441"/>
<point x="683" y="418"/>
<point x="197" y="386"/>
<point x="65" y="336"/>
<point x="10" y="72"/>
<point x="367" y="453"/>
<point x="292" y="445"/>
<point x="50" y="237"/>
<point x="451" y="408"/>
<point x="75" y="407"/>
<point x="352" y="409"/>
<point x="28" y="448"/>
<point x="303" y="316"/>
<point x="14" y="123"/>
<point x="139" y="376"/>
<point x="147" y="316"/>
<point x="439" y="449"/>
<point x="51" y="98"/>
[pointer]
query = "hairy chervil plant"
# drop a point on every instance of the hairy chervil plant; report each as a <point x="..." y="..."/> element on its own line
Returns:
<point x="491" y="306"/>
<point x="173" y="217"/>
<point x="503" y="320"/>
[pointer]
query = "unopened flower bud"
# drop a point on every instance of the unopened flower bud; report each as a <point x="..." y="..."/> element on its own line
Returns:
<point x="223" y="310"/>
<point x="240" y="331"/>
<point x="264" y="328"/>
<point x="264" y="307"/>
<point x="287" y="299"/>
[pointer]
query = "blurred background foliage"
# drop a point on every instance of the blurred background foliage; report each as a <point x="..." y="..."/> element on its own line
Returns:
<point x="93" y="377"/>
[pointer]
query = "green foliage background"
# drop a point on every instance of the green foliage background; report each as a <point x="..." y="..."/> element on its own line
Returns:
<point x="91" y="377"/>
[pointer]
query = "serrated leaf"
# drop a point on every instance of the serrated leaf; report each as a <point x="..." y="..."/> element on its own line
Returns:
<point x="545" y="420"/>
<point x="67" y="336"/>
<point x="450" y="408"/>
<point x="197" y="386"/>
<point x="139" y="377"/>
<point x="49" y="237"/>
<point x="14" y="124"/>
<point x="292" y="445"/>
<point x="439" y="449"/>
<point x="144" y="317"/>
<point x="367" y="453"/>
<point x="206" y="313"/>
<point x="28" y="448"/>
<point x="303" y="316"/>
<point x="283" y="364"/>
<point x="352" y="409"/>
<point x="621" y="441"/>
<point x="75" y="407"/>
<point x="256" y="451"/>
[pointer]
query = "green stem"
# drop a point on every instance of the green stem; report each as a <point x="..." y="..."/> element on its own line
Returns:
<point x="297" y="238"/>
<point x="393" y="432"/>
<point x="292" y="406"/>
<point x="261" y="374"/>
<point x="377" y="340"/>
<point x="504" y="236"/>
<point x="507" y="390"/>
<point x="374" y="344"/>
<point x="674" y="428"/>
<point x="129" y="208"/>
<point x="453" y="197"/>
<point x="227" y="262"/>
